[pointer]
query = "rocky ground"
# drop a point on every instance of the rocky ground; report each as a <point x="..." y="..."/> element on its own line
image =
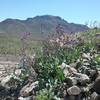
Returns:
<point x="81" y="83"/>
<point x="7" y="67"/>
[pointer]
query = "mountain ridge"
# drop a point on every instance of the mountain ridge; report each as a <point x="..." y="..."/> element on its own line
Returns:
<point x="39" y="26"/>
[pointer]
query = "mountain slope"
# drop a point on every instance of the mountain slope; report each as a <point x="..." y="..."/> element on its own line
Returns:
<point x="39" y="26"/>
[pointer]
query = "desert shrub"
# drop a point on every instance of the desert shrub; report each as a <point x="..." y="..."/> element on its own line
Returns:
<point x="45" y="94"/>
<point x="59" y="49"/>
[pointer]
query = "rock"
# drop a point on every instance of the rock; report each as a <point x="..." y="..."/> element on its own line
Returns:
<point x="85" y="89"/>
<point x="94" y="96"/>
<point x="86" y="64"/>
<point x="74" y="90"/>
<point x="64" y="66"/>
<point x="82" y="78"/>
<point x="84" y="69"/>
<point x="98" y="97"/>
<point x="72" y="70"/>
<point x="86" y="56"/>
<point x="18" y="72"/>
<point x="65" y="69"/>
<point x="3" y="92"/>
<point x="96" y="85"/>
<point x="71" y="81"/>
<point x="27" y="89"/>
<point x="26" y="98"/>
<point x="68" y="70"/>
<point x="85" y="60"/>
<point x="5" y="80"/>
<point x="93" y="74"/>
<point x="73" y="65"/>
<point x="71" y="97"/>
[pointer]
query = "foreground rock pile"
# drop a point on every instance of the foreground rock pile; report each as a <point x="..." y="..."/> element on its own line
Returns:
<point x="82" y="81"/>
<point x="16" y="82"/>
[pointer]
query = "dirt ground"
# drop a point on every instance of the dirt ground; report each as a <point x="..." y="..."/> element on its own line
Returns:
<point x="15" y="58"/>
<point x="8" y="64"/>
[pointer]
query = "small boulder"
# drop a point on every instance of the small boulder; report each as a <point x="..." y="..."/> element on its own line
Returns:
<point x="71" y="81"/>
<point x="27" y="89"/>
<point x="5" y="80"/>
<point x="82" y="78"/>
<point x="72" y="70"/>
<point x="18" y="72"/>
<point x="68" y="70"/>
<point x="74" y="90"/>
<point x="96" y="85"/>
<point x="94" y="96"/>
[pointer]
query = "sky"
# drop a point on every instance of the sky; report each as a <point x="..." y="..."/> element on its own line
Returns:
<point x="77" y="11"/>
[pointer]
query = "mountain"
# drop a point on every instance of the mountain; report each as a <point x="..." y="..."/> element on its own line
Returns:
<point x="39" y="26"/>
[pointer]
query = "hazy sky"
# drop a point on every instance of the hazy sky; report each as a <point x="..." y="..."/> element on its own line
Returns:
<point x="78" y="11"/>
